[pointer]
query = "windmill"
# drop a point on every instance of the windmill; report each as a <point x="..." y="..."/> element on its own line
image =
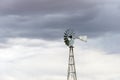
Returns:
<point x="69" y="37"/>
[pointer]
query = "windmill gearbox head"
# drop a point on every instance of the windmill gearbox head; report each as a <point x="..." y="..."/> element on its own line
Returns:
<point x="69" y="37"/>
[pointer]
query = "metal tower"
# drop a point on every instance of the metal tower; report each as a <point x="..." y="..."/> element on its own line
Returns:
<point x="71" y="65"/>
<point x="69" y="37"/>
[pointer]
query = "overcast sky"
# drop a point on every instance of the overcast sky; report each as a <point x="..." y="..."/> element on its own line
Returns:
<point x="32" y="46"/>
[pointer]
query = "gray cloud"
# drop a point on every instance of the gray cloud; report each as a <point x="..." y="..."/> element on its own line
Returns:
<point x="43" y="19"/>
<point x="44" y="6"/>
<point x="49" y="19"/>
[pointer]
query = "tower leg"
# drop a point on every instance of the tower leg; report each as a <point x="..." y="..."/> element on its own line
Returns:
<point x="71" y="66"/>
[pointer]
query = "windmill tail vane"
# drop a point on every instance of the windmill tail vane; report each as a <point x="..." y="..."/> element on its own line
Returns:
<point x="83" y="38"/>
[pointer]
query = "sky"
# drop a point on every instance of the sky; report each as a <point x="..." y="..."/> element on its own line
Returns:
<point x="32" y="45"/>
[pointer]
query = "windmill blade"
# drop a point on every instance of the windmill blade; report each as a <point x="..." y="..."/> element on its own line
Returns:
<point x="83" y="38"/>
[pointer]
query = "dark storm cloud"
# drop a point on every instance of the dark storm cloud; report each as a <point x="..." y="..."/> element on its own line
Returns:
<point x="41" y="18"/>
<point x="50" y="27"/>
<point x="47" y="19"/>
<point x="43" y="6"/>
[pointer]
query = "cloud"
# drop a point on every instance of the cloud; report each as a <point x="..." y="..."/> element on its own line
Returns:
<point x="43" y="7"/>
<point x="43" y="19"/>
<point x="22" y="61"/>
<point x="49" y="19"/>
<point x="31" y="45"/>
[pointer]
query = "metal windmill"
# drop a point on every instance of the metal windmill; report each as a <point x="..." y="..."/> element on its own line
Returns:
<point x="69" y="37"/>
